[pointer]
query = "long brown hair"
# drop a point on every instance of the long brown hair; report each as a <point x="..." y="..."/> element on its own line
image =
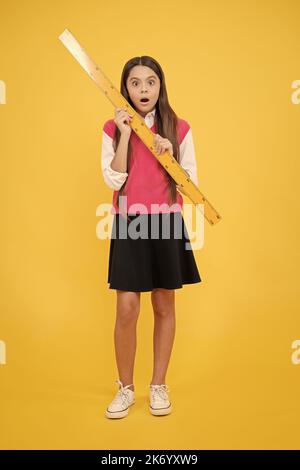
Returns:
<point x="165" y="118"/>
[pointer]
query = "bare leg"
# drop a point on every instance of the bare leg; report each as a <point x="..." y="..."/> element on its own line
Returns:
<point x="163" y="302"/>
<point x="128" y="308"/>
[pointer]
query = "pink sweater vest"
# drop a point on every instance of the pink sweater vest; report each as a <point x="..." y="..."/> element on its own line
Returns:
<point x="147" y="181"/>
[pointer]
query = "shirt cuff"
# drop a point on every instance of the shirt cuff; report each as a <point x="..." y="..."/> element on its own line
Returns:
<point x="115" y="178"/>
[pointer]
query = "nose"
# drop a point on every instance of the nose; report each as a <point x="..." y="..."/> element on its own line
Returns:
<point x="144" y="88"/>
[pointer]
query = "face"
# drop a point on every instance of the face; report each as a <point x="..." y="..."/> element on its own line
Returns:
<point x="143" y="82"/>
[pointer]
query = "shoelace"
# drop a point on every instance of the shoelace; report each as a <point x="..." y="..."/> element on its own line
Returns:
<point x="122" y="393"/>
<point x="160" y="390"/>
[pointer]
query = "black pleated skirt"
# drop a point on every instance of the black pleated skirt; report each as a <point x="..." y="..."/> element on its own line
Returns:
<point x="145" y="254"/>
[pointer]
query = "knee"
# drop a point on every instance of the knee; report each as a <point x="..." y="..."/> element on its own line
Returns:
<point x="163" y="303"/>
<point x="128" y="314"/>
<point x="163" y="312"/>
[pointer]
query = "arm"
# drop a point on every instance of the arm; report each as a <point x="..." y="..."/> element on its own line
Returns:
<point x="187" y="158"/>
<point x="113" y="164"/>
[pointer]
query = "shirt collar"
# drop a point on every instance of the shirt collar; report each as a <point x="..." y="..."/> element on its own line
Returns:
<point x="149" y="118"/>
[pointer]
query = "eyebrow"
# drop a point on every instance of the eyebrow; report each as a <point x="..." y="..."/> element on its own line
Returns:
<point x="151" y="76"/>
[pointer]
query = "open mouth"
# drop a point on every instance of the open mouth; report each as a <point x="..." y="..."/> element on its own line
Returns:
<point x="144" y="100"/>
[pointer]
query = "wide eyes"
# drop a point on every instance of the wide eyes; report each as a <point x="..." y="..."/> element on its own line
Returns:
<point x="135" y="81"/>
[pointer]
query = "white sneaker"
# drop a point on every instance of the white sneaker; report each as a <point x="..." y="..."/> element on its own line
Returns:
<point x="119" y="406"/>
<point x="159" y="400"/>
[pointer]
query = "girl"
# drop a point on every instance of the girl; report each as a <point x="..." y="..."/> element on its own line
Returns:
<point x="139" y="264"/>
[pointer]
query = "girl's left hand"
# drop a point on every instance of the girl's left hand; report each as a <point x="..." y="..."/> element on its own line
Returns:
<point x="161" y="144"/>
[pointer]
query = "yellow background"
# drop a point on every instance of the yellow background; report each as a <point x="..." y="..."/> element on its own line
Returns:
<point x="229" y="70"/>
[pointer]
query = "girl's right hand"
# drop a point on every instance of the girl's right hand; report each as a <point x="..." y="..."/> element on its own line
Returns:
<point x="121" y="118"/>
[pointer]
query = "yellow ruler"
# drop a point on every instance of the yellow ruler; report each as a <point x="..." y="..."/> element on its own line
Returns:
<point x="185" y="184"/>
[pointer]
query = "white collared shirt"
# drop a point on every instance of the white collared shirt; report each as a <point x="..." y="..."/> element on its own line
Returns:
<point x="115" y="179"/>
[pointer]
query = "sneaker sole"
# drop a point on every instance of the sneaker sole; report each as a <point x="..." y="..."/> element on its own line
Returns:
<point x="160" y="411"/>
<point x="118" y="414"/>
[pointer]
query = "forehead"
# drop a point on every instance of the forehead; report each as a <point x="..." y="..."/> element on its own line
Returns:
<point x="142" y="72"/>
